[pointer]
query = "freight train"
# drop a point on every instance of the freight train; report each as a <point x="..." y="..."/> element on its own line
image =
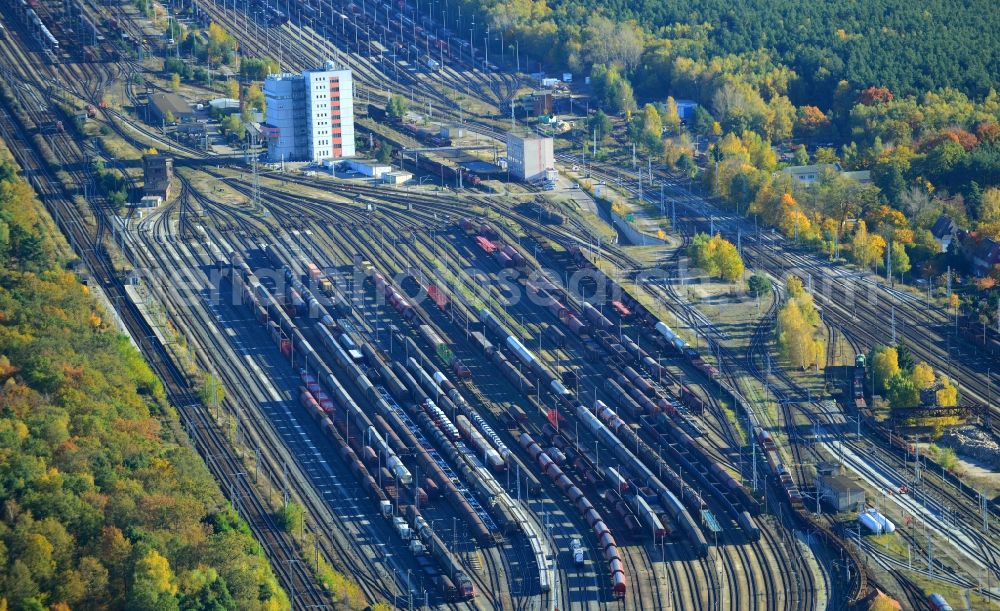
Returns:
<point x="453" y="423"/>
<point x="567" y="400"/>
<point x="858" y="383"/>
<point x="302" y="279"/>
<point x="777" y="468"/>
<point x="335" y="420"/>
<point x="418" y="366"/>
<point x="30" y="18"/>
<point x="938" y="603"/>
<point x="619" y="443"/>
<point x="542" y="213"/>
<point x="447" y="172"/>
<point x="662" y="332"/>
<point x="291" y="340"/>
<point x="606" y="541"/>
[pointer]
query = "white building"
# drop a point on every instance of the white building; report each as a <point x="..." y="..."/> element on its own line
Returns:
<point x="810" y="174"/>
<point x="529" y="155"/>
<point x="310" y="116"/>
<point x="368" y="167"/>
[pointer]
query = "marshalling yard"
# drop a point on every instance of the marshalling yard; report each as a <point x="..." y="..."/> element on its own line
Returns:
<point x="476" y="404"/>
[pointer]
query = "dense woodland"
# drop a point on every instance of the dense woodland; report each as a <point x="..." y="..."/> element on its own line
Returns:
<point x="909" y="47"/>
<point x="100" y="506"/>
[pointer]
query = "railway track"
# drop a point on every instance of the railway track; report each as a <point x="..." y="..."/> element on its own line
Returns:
<point x="281" y="551"/>
<point x="561" y="235"/>
<point x="250" y="390"/>
<point x="494" y="563"/>
<point x="359" y="220"/>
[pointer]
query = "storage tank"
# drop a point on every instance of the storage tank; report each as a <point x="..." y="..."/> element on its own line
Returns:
<point x="876" y="522"/>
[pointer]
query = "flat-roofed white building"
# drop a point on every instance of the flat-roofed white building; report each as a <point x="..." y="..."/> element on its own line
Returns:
<point x="529" y="155"/>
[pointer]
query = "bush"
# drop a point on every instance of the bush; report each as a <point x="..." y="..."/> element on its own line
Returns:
<point x="292" y="517"/>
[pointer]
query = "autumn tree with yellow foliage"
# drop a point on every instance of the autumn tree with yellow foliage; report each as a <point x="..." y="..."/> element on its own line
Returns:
<point x="801" y="340"/>
<point x="922" y="376"/>
<point x="884" y="603"/>
<point x="947" y="394"/>
<point x="867" y="249"/>
<point x="716" y="256"/>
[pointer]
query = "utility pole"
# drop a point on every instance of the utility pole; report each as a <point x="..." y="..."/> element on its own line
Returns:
<point x="753" y="452"/>
<point x="888" y="263"/>
<point x="893" y="317"/>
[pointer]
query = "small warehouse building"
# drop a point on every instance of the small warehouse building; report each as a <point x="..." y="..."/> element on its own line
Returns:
<point x="368" y="167"/>
<point x="529" y="156"/>
<point x="685" y="109"/>
<point x="399" y="177"/>
<point x="452" y="132"/>
<point x="839" y="491"/>
<point x="158" y="172"/>
<point x="164" y="105"/>
<point x="226" y="106"/>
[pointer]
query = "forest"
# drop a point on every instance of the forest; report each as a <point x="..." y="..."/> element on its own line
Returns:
<point x="909" y="47"/>
<point x="101" y="504"/>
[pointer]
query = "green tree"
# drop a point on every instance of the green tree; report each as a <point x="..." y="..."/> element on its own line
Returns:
<point x="205" y="590"/>
<point x="652" y="129"/>
<point x="801" y="339"/>
<point x="175" y="82"/>
<point x="256" y="69"/>
<point x="903" y="393"/>
<point x="899" y="259"/>
<point x="599" y="124"/>
<point x="759" y="284"/>
<point x="717" y="256"/>
<point x="118" y="198"/>
<point x="700" y="255"/>
<point x="686" y="165"/>
<point x="613" y="92"/>
<point x="255" y="98"/>
<point x="904" y="357"/>
<point x="866" y="248"/>
<point x="704" y="122"/>
<point x="383" y="154"/>
<point x="947" y="394"/>
<point x="21" y="585"/>
<point x="233" y="126"/>
<point x="397" y="107"/>
<point x="798" y="341"/>
<point x="922" y="376"/>
<point x="233" y="89"/>
<point x="800" y="156"/>
<point x="825" y="154"/>
<point x="100" y="495"/>
<point x="730" y="262"/>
